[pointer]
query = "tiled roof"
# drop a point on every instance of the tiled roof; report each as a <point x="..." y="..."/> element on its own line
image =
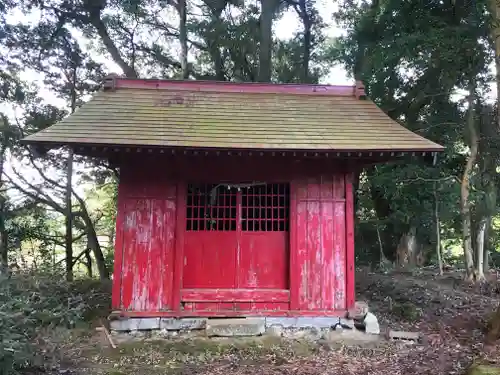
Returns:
<point x="231" y="115"/>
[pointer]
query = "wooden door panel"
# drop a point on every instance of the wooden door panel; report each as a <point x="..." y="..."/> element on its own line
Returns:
<point x="148" y="242"/>
<point x="210" y="260"/>
<point x="320" y="227"/>
<point x="263" y="260"/>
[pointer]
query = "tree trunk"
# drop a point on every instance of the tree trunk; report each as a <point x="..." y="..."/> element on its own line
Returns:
<point x="407" y="249"/>
<point x="490" y="210"/>
<point x="480" y="237"/>
<point x="362" y="53"/>
<point x="99" y="256"/>
<point x="4" y="255"/>
<point x="465" y="188"/>
<point x="266" y="39"/>
<point x="111" y="47"/>
<point x="4" y="251"/>
<point x="493" y="333"/>
<point x="438" y="229"/>
<point x="487" y="247"/>
<point x="382" y="258"/>
<point x="183" y="39"/>
<point x="93" y="241"/>
<point x="495" y="34"/>
<point x="306" y="56"/>
<point x="383" y="212"/>
<point x="68" y="239"/>
<point x="88" y="262"/>
<point x="213" y="44"/>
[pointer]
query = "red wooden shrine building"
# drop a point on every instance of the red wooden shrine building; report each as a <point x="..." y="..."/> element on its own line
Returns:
<point x="235" y="199"/>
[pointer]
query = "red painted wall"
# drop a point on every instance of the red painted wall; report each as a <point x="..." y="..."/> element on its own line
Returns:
<point x="150" y="277"/>
<point x="145" y="242"/>
<point x="319" y="267"/>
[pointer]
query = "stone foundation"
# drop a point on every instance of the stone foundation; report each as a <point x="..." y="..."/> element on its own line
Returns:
<point x="308" y="328"/>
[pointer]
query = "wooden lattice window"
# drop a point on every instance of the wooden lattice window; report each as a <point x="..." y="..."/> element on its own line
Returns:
<point x="230" y="207"/>
<point x="211" y="207"/>
<point x="265" y="208"/>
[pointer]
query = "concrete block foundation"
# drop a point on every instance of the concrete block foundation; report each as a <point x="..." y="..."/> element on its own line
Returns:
<point x="310" y="328"/>
<point x="359" y="321"/>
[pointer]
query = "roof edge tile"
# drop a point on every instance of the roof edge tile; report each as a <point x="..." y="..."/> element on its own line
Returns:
<point x="115" y="82"/>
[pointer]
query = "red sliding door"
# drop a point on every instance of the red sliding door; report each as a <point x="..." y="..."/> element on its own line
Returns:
<point x="236" y="245"/>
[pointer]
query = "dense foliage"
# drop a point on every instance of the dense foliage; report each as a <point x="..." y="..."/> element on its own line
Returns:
<point x="430" y="68"/>
<point x="32" y="303"/>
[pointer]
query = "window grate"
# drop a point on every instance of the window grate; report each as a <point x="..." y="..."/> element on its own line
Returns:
<point x="220" y="207"/>
<point x="265" y="208"/>
<point x="211" y="207"/>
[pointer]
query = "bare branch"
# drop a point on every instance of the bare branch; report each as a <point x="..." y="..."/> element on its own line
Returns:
<point x="444" y="179"/>
<point x="41" y="173"/>
<point x="39" y="196"/>
<point x="103" y="33"/>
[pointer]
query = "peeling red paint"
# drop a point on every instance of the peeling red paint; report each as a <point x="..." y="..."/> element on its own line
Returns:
<point x="321" y="244"/>
<point x="162" y="268"/>
<point x="147" y="234"/>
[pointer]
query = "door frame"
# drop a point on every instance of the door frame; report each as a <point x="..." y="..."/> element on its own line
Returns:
<point x="187" y="296"/>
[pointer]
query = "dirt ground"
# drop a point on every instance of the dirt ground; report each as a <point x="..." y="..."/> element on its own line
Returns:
<point x="449" y="313"/>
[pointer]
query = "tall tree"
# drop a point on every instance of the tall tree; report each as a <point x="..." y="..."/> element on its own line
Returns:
<point x="268" y="10"/>
<point x="12" y="91"/>
<point x="140" y="38"/>
<point x="183" y="37"/>
<point x="465" y="205"/>
<point x="4" y="260"/>
<point x="403" y="51"/>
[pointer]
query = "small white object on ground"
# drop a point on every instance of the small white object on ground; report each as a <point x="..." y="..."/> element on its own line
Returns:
<point x="371" y="324"/>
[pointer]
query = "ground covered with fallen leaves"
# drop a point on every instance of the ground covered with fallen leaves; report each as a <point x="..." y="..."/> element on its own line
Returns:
<point x="450" y="314"/>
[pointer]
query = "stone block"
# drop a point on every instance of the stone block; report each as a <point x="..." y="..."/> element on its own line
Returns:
<point x="302" y="322"/>
<point x="236" y="327"/>
<point x="348" y="336"/>
<point x="275" y="330"/>
<point x="137" y="334"/>
<point x="371" y="324"/>
<point x="304" y="333"/>
<point x="173" y="324"/>
<point x="135" y="324"/>
<point x="284" y="322"/>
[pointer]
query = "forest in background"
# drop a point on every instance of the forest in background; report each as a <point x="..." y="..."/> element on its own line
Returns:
<point x="431" y="67"/>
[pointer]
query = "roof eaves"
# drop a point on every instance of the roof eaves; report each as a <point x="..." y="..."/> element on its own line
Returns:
<point x="431" y="147"/>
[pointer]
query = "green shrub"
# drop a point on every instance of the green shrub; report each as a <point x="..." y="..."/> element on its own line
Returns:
<point x="30" y="303"/>
<point x="407" y="311"/>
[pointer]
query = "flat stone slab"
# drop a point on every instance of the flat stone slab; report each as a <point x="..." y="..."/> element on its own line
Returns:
<point x="306" y="333"/>
<point x="351" y="336"/>
<point x="302" y="322"/>
<point x="235" y="327"/>
<point x="403" y="335"/>
<point x="135" y="324"/>
<point x="173" y="324"/>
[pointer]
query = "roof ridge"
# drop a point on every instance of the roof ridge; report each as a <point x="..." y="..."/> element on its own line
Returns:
<point x="114" y="82"/>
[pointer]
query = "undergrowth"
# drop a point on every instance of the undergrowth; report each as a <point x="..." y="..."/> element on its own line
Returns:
<point x="33" y="302"/>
